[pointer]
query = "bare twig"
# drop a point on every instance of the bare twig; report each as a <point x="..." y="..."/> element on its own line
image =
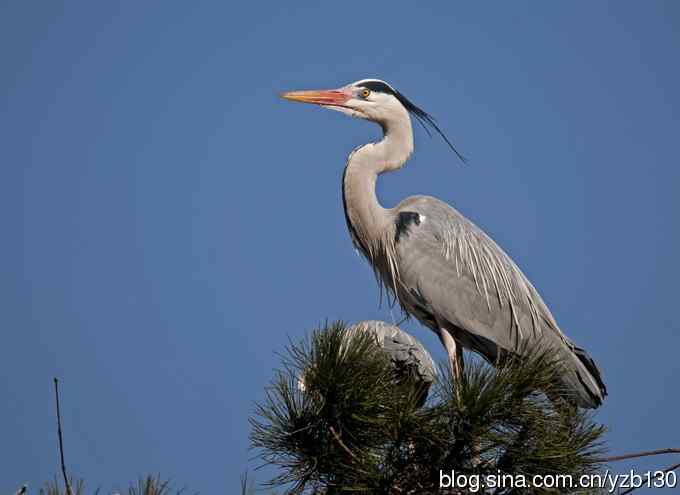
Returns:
<point x="341" y="443"/>
<point x="247" y="485"/>
<point x="636" y="455"/>
<point x="61" y="439"/>
<point x="667" y="470"/>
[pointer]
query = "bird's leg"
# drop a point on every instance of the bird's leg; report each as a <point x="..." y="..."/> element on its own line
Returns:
<point x="459" y="360"/>
<point x="455" y="352"/>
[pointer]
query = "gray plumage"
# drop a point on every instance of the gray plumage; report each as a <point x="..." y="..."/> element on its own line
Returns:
<point x="409" y="359"/>
<point x="452" y="275"/>
<point x="408" y="356"/>
<point x="440" y="267"/>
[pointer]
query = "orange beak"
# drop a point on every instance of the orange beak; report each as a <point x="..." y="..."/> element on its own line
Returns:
<point x="334" y="97"/>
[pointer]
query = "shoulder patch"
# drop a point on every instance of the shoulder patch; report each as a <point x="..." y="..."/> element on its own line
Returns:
<point x="404" y="220"/>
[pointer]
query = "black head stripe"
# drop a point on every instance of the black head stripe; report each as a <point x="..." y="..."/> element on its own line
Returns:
<point x="424" y="118"/>
<point x="379" y="87"/>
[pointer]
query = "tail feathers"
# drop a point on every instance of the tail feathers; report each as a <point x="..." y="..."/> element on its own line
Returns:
<point x="593" y="369"/>
<point x="590" y="390"/>
<point x="581" y="378"/>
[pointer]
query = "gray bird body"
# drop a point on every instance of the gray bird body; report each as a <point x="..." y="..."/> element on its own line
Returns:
<point x="452" y="275"/>
<point x="407" y="354"/>
<point x="443" y="269"/>
<point x="409" y="360"/>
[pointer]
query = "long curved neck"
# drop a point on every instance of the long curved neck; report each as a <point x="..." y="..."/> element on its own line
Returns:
<point x="366" y="218"/>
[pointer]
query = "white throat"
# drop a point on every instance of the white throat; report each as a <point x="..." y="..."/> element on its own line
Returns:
<point x="366" y="217"/>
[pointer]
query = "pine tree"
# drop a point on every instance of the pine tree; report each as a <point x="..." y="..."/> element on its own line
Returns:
<point x="356" y="428"/>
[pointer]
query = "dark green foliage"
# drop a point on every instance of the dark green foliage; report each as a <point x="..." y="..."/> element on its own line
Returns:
<point x="54" y="488"/>
<point x="149" y="485"/>
<point x="153" y="486"/>
<point x="324" y="435"/>
<point x="353" y="430"/>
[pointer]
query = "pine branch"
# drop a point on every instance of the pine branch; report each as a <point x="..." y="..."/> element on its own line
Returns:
<point x="341" y="443"/>
<point x="356" y="428"/>
<point x="636" y="455"/>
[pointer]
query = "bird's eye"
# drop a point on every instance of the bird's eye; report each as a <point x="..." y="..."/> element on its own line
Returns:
<point x="365" y="93"/>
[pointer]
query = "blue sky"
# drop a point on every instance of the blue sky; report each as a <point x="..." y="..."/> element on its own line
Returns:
<point x="168" y="222"/>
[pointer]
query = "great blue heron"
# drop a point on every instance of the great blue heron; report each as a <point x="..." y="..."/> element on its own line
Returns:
<point x="410" y="360"/>
<point x="443" y="269"/>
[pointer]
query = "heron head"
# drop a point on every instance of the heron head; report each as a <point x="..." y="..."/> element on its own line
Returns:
<point x="370" y="99"/>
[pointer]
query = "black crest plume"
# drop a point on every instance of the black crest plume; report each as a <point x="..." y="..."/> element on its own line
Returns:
<point x="423" y="118"/>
